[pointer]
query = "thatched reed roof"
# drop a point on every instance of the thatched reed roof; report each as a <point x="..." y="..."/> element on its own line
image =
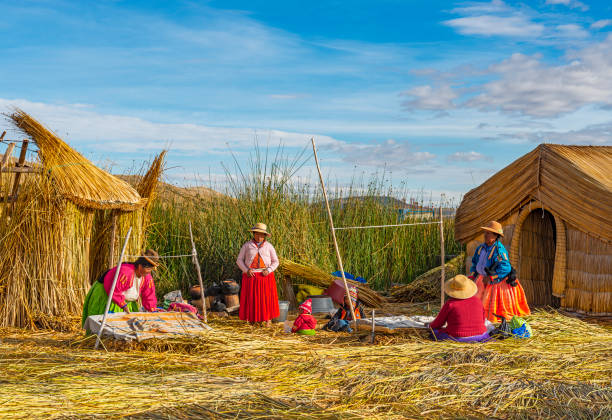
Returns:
<point x="574" y="182"/>
<point x="76" y="178"/>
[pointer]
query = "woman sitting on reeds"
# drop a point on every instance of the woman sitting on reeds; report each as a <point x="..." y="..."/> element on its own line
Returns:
<point x="134" y="282"/>
<point x="462" y="313"/>
<point x="257" y="261"/>
<point x="342" y="318"/>
<point x="498" y="288"/>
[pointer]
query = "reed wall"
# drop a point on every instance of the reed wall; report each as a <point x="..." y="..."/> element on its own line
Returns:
<point x="589" y="274"/>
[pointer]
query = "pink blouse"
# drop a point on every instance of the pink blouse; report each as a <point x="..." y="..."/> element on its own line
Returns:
<point x="250" y="249"/>
<point x="125" y="281"/>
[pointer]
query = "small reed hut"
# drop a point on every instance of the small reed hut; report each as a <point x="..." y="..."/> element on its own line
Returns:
<point x="62" y="223"/>
<point x="555" y="205"/>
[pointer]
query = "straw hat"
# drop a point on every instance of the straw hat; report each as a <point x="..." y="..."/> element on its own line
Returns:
<point x="152" y="258"/>
<point x="460" y="287"/>
<point x="261" y="228"/>
<point x="494" y="227"/>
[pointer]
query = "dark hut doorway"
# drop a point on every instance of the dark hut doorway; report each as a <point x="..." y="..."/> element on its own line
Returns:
<point x="537" y="258"/>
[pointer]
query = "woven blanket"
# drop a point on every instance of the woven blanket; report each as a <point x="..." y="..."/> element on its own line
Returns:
<point x="145" y="325"/>
<point x="391" y="323"/>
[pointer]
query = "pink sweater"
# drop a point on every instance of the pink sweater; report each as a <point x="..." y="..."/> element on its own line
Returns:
<point x="125" y="281"/>
<point x="249" y="251"/>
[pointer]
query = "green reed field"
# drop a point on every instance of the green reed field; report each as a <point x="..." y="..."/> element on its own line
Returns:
<point x="269" y="191"/>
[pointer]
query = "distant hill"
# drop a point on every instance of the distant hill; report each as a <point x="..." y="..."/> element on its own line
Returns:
<point x="392" y="202"/>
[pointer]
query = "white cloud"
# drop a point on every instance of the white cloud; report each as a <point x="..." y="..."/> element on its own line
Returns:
<point x="131" y="134"/>
<point x="571" y="31"/>
<point x="427" y="97"/>
<point x="595" y="134"/>
<point x="283" y="96"/>
<point x="390" y="154"/>
<point x="519" y="22"/>
<point x="495" y="6"/>
<point x="572" y="4"/>
<point x="525" y="85"/>
<point x="600" y="24"/>
<point x="465" y="156"/>
<point x="487" y="25"/>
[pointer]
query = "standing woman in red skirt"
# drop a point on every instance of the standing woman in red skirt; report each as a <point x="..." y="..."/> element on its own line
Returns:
<point x="258" y="260"/>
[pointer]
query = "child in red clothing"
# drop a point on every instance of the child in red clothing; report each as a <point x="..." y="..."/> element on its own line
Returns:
<point x="305" y="323"/>
<point x="462" y="313"/>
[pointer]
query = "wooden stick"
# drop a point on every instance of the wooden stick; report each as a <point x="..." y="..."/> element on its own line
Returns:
<point x="112" y="289"/>
<point x="442" y="257"/>
<point x="333" y="231"/>
<point x="22" y="158"/>
<point x="197" y="267"/>
<point x="372" y="336"/>
<point x="2" y="136"/>
<point x="7" y="155"/>
<point x="22" y="170"/>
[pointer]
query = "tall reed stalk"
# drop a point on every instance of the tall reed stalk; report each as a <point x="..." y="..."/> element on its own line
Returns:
<point x="266" y="191"/>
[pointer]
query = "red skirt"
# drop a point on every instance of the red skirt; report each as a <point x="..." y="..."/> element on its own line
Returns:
<point x="258" y="298"/>
<point x="502" y="299"/>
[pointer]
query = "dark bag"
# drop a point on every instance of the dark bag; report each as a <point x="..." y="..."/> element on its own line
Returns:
<point x="503" y="330"/>
<point x="511" y="279"/>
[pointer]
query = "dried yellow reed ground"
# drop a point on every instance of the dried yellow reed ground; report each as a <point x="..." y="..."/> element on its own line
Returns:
<point x="239" y="370"/>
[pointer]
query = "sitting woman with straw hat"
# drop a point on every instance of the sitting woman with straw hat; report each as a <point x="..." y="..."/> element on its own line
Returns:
<point x="498" y="288"/>
<point x="133" y="284"/>
<point x="462" y="313"/>
<point x="257" y="261"/>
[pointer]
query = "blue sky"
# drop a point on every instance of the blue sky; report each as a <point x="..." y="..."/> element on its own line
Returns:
<point x="441" y="94"/>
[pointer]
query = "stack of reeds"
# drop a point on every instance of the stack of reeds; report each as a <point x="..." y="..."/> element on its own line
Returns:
<point x="56" y="235"/>
<point x="426" y="287"/>
<point x="317" y="277"/>
<point x="240" y="371"/>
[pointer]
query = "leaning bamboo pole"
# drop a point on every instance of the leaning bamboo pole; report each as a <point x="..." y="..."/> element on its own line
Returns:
<point x="196" y="263"/>
<point x="333" y="231"/>
<point x="442" y="256"/>
<point x="112" y="289"/>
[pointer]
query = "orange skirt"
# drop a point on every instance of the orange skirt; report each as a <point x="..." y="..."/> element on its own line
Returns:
<point x="502" y="299"/>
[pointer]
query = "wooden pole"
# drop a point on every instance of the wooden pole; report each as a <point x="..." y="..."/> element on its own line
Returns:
<point x="197" y="267"/>
<point x="7" y="155"/>
<point x="373" y="334"/>
<point x="20" y="162"/>
<point x="442" y="256"/>
<point x="5" y="162"/>
<point x="112" y="289"/>
<point x="333" y="231"/>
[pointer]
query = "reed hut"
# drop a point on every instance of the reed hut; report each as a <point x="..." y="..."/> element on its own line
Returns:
<point x="555" y="205"/>
<point x="62" y="222"/>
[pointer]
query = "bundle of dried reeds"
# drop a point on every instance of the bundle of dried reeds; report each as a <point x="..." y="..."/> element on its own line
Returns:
<point x="56" y="236"/>
<point x="317" y="277"/>
<point x="426" y="287"/>
<point x="76" y="178"/>
<point x="238" y="371"/>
